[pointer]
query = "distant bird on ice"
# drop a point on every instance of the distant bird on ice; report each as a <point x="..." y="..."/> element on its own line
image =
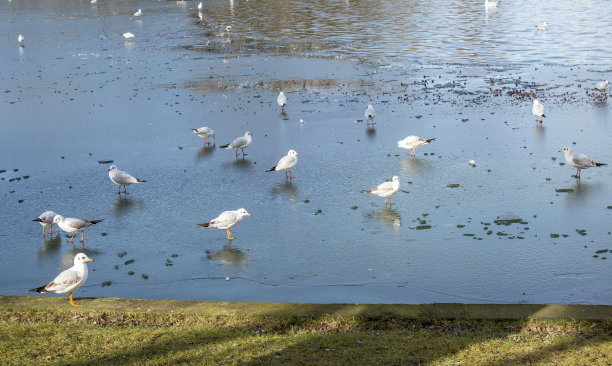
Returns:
<point x="413" y="143"/>
<point x="241" y="143"/>
<point x="128" y="35"/>
<point x="578" y="161"/>
<point x="205" y="133"/>
<point x="46" y="219"/>
<point x="286" y="163"/>
<point x="281" y="100"/>
<point x="138" y="13"/>
<point x="93" y="1"/>
<point x="227" y="220"/>
<point x="602" y="86"/>
<point x="538" y="110"/>
<point x="542" y="27"/>
<point x="121" y="178"/>
<point x="228" y="29"/>
<point x="69" y="280"/>
<point x="369" y="115"/>
<point x="20" y="39"/>
<point x="200" y="6"/>
<point x="491" y="4"/>
<point x="386" y="189"/>
<point x="73" y="226"/>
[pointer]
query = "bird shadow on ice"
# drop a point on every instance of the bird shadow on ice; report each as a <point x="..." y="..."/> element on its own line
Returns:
<point x="205" y="151"/>
<point x="581" y="191"/>
<point x="539" y="132"/>
<point x="371" y="132"/>
<point x="229" y="256"/>
<point x="387" y="216"/>
<point x="123" y="205"/>
<point x="51" y="244"/>
<point x="282" y="114"/>
<point x="285" y="189"/>
<point x="240" y="163"/>
<point x="413" y="165"/>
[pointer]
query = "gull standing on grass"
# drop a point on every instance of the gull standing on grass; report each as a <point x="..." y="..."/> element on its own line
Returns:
<point x="227" y="220"/>
<point x="205" y="133"/>
<point x="386" y="189"/>
<point x="538" y="110"/>
<point x="413" y="143"/>
<point x="578" y="161"/>
<point x="70" y="280"/>
<point x="46" y="219"/>
<point x="121" y="178"/>
<point x="73" y="226"/>
<point x="286" y="163"/>
<point x="281" y="100"/>
<point x="369" y="114"/>
<point x="602" y="86"/>
<point x="239" y="143"/>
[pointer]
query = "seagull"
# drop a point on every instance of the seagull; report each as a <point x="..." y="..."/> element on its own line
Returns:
<point x="122" y="179"/>
<point x="281" y="100"/>
<point x="491" y="4"/>
<point x="538" y="110"/>
<point x="578" y="161"/>
<point x="20" y="39"/>
<point x="386" y="189"/>
<point x="46" y="219"/>
<point x="241" y="143"/>
<point x="72" y="225"/>
<point x="128" y="35"/>
<point x="200" y="6"/>
<point x="204" y="133"/>
<point x="369" y="114"/>
<point x="541" y="27"/>
<point x="227" y="220"/>
<point x="286" y="163"/>
<point x="138" y="13"/>
<point x="93" y="1"/>
<point x="70" y="280"/>
<point x="228" y="29"/>
<point x="413" y="143"/>
<point x="602" y="86"/>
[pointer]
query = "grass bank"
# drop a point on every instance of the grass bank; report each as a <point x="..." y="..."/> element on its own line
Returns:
<point x="47" y="330"/>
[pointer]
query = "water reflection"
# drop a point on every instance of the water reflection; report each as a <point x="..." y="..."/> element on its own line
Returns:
<point x="124" y="205"/>
<point x="282" y="114"/>
<point x="287" y="189"/>
<point x="581" y="192"/>
<point x="205" y="151"/>
<point x="50" y="245"/>
<point x="68" y="257"/>
<point x="229" y="256"/>
<point x="539" y="132"/>
<point x="240" y="163"/>
<point x="388" y="216"/>
<point x="371" y="132"/>
<point x="414" y="165"/>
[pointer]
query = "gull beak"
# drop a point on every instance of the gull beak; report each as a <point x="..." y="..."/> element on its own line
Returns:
<point x="249" y="215"/>
<point x="560" y="150"/>
<point x="297" y="153"/>
<point x="89" y="260"/>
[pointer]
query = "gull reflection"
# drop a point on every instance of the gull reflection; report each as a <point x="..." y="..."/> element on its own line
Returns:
<point x="286" y="189"/>
<point x="371" y="132"/>
<point x="413" y="165"/>
<point x="388" y="216"/>
<point x="240" y="163"/>
<point x="539" y="132"/>
<point x="230" y="256"/>
<point x="580" y="193"/>
<point x="123" y="205"/>
<point x="50" y="245"/>
<point x="205" y="151"/>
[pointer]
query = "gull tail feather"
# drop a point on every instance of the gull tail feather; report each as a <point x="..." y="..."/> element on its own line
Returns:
<point x="206" y="224"/>
<point x="366" y="191"/>
<point x="544" y="115"/>
<point x="40" y="289"/>
<point x="271" y="169"/>
<point x="600" y="164"/>
<point x="93" y="222"/>
<point x="37" y="219"/>
<point x="430" y="140"/>
<point x="226" y="146"/>
<point x="140" y="180"/>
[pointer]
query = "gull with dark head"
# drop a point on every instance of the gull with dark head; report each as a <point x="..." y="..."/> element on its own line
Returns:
<point x="122" y="179"/>
<point x="239" y="143"/>
<point x="227" y="220"/>
<point x="386" y="189"/>
<point x="46" y="219"/>
<point x="73" y="226"/>
<point x="70" y="280"/>
<point x="579" y="161"/>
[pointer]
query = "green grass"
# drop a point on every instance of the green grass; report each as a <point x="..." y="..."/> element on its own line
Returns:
<point x="37" y="331"/>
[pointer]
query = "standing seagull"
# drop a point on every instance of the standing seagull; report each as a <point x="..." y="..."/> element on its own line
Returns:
<point x="286" y="163"/>
<point x="369" y="114"/>
<point x="128" y="35"/>
<point x="122" y="179"/>
<point x="281" y="100"/>
<point x="542" y="27"/>
<point x="46" y="219"/>
<point x="241" y="143"/>
<point x="73" y="226"/>
<point x="386" y="189"/>
<point x="20" y="39"/>
<point x="227" y="220"/>
<point x="138" y="13"/>
<point x="578" y="161"/>
<point x="200" y="6"/>
<point x="70" y="280"/>
<point x="491" y="4"/>
<point x="413" y="143"/>
<point x="602" y="86"/>
<point x="204" y="133"/>
<point x="538" y="110"/>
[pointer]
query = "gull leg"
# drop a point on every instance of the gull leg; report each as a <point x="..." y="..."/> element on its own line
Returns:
<point x="229" y="235"/>
<point x="71" y="239"/>
<point x="243" y="154"/>
<point x="124" y="189"/>
<point x="236" y="152"/>
<point x="82" y="236"/>
<point x="577" y="175"/>
<point x="51" y="232"/>
<point x="72" y="301"/>
<point x="290" y="176"/>
<point x="44" y="232"/>
<point x="119" y="192"/>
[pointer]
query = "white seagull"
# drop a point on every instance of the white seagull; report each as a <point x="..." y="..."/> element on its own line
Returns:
<point x="20" y="39"/>
<point x="128" y="35"/>
<point x="538" y="110"/>
<point x="281" y="100"/>
<point x="93" y="1"/>
<point x="578" y="161"/>
<point x="138" y="13"/>
<point x="121" y="178"/>
<point x="239" y="143"/>
<point x="413" y="143"/>
<point x="386" y="189"/>
<point x="228" y="29"/>
<point x="369" y="114"/>
<point x="542" y="27"/>
<point x="286" y="163"/>
<point x="491" y="4"/>
<point x="205" y="133"/>
<point x="200" y="6"/>
<point x="46" y="219"/>
<point x="227" y="220"/>
<point x="70" y="280"/>
<point x="73" y="226"/>
<point x="602" y="86"/>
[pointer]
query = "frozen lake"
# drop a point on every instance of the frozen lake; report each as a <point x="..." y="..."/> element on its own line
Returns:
<point x="515" y="228"/>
